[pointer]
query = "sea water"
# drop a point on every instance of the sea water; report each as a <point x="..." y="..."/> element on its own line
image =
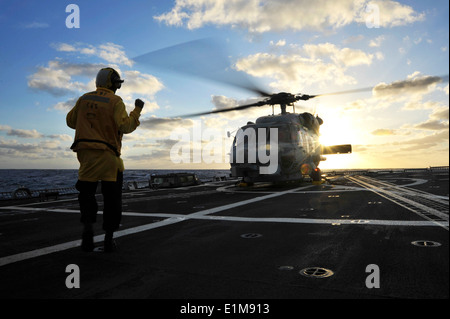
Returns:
<point x="39" y="179"/>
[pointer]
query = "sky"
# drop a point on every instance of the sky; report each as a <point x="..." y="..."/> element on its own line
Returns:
<point x="51" y="52"/>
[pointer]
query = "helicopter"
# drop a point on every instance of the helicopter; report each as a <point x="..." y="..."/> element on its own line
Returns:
<point x="296" y="148"/>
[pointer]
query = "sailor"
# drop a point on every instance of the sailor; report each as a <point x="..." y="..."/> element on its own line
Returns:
<point x="100" y="120"/>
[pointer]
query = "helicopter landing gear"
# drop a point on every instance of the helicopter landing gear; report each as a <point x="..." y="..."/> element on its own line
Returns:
<point x="316" y="175"/>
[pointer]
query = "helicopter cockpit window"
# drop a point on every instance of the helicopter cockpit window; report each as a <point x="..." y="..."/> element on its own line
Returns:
<point x="287" y="134"/>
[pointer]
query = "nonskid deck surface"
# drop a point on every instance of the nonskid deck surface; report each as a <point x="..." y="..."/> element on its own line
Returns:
<point x="360" y="237"/>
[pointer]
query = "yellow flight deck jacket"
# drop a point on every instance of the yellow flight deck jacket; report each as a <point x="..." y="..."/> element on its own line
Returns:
<point x="100" y="120"/>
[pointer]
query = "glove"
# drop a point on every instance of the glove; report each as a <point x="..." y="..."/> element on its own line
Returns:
<point x="139" y="103"/>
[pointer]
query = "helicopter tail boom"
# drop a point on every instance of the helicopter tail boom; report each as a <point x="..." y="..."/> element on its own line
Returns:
<point x="336" y="149"/>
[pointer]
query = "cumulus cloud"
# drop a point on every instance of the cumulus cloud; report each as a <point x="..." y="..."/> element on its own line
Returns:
<point x="345" y="56"/>
<point x="110" y="52"/>
<point x="60" y="78"/>
<point x="391" y="13"/>
<point x="258" y="16"/>
<point x="57" y="78"/>
<point x="306" y="65"/>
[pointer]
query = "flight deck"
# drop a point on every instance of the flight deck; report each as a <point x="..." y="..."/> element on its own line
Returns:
<point x="359" y="236"/>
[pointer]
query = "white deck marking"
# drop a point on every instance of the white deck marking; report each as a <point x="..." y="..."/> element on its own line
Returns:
<point x="171" y="220"/>
<point x="399" y="195"/>
<point x="200" y="215"/>
<point x="72" y="244"/>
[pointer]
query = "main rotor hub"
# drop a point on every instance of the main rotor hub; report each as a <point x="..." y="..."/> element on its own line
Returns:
<point x="282" y="98"/>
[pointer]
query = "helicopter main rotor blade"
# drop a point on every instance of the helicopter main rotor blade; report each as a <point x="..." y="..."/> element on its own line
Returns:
<point x="203" y="58"/>
<point x="393" y="87"/>
<point x="343" y="92"/>
<point x="236" y="108"/>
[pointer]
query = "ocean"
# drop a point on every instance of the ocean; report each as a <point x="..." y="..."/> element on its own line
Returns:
<point x="41" y="179"/>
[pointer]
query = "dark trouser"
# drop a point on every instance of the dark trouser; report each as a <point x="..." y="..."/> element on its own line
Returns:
<point x="112" y="202"/>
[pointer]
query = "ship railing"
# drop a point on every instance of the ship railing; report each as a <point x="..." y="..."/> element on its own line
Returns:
<point x="42" y="194"/>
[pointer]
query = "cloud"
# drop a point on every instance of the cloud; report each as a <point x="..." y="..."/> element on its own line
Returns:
<point x="44" y="148"/>
<point x="353" y="39"/>
<point x="64" y="47"/>
<point x="410" y="93"/>
<point x="110" y="52"/>
<point x="137" y="84"/>
<point x="36" y="25"/>
<point x="65" y="106"/>
<point x="438" y="120"/>
<point x="60" y="78"/>
<point x="61" y="137"/>
<point x="420" y="105"/>
<point x="434" y="125"/>
<point x="223" y="102"/>
<point x="377" y="41"/>
<point x="440" y="114"/>
<point x="415" y="84"/>
<point x="20" y="133"/>
<point x="345" y="56"/>
<point x="306" y="65"/>
<point x="19" y="147"/>
<point x="435" y="138"/>
<point x="57" y="77"/>
<point x="140" y="83"/>
<point x="32" y="133"/>
<point x="383" y="132"/>
<point x="168" y="124"/>
<point x="280" y="43"/>
<point x="391" y="13"/>
<point x="276" y="15"/>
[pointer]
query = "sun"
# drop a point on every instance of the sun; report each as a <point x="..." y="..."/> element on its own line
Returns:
<point x="337" y="130"/>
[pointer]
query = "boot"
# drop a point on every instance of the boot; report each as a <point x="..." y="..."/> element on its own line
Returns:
<point x="87" y="238"/>
<point x="109" y="244"/>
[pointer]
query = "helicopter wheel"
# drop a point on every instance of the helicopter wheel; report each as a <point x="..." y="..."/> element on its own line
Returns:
<point x="316" y="175"/>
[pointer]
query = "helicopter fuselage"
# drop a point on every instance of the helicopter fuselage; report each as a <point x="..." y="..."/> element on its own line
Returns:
<point x="298" y="150"/>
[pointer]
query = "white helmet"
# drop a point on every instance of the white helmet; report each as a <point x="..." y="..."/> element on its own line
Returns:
<point x="108" y="78"/>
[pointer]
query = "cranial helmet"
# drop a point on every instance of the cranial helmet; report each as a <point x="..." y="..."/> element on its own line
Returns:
<point x="108" y="78"/>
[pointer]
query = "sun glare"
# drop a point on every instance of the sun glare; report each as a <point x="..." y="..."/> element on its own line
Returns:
<point x="337" y="130"/>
